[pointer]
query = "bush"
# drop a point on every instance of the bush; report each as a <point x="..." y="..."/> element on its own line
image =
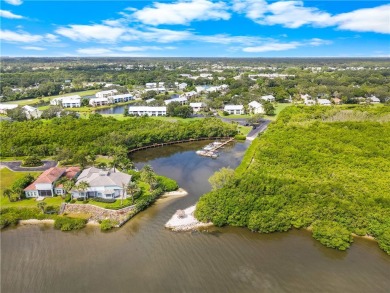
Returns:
<point x="135" y="175"/>
<point x="68" y="224"/>
<point x="72" y="201"/>
<point x="105" y="200"/>
<point x="52" y="210"/>
<point x="167" y="184"/>
<point x="32" y="161"/>
<point x="332" y="234"/>
<point x="8" y="219"/>
<point x="240" y="137"/>
<point x="68" y="198"/>
<point x="108" y="224"/>
<point x="80" y="199"/>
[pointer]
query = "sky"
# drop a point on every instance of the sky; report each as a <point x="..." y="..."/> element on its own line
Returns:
<point x="195" y="28"/>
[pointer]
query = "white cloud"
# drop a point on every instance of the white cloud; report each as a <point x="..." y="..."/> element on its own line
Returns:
<point x="14" y="2"/>
<point x="182" y="12"/>
<point x="157" y="35"/>
<point x="9" y="14"/>
<point x="143" y="48"/>
<point x="272" y="47"/>
<point x="253" y="9"/>
<point x="19" y="37"/>
<point x="33" y="48"/>
<point x="93" y="51"/>
<point x="318" y="42"/>
<point x="95" y="32"/>
<point x="375" y="19"/>
<point x="293" y="14"/>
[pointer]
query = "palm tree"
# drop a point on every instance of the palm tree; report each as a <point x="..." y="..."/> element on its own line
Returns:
<point x="8" y="193"/>
<point x="132" y="189"/>
<point x="148" y="175"/>
<point x="68" y="185"/>
<point x="42" y="205"/>
<point x="83" y="186"/>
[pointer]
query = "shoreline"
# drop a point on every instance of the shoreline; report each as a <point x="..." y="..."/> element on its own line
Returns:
<point x="184" y="220"/>
<point x="180" y="192"/>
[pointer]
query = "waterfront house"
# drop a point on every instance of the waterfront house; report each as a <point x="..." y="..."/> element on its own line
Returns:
<point x="120" y="98"/>
<point x="234" y="109"/>
<point x="324" y="102"/>
<point x="31" y="112"/>
<point x="102" y="183"/>
<point x="149" y="111"/>
<point x="98" y="102"/>
<point x="106" y="94"/>
<point x="47" y="183"/>
<point x="256" y="108"/>
<point x="67" y="102"/>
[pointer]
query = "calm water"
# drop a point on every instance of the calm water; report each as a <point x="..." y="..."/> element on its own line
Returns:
<point x="113" y="110"/>
<point x="142" y="256"/>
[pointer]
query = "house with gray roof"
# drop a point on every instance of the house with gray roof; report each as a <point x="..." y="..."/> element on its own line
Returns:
<point x="102" y="183"/>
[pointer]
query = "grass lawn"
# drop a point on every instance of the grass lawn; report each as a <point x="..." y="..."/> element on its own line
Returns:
<point x="278" y="109"/>
<point x="8" y="177"/>
<point x="36" y="100"/>
<point x="244" y="130"/>
<point x="30" y="202"/>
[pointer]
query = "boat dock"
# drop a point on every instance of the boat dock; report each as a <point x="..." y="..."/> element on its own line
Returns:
<point x="211" y="151"/>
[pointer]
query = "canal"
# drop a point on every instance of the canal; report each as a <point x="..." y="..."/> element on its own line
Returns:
<point x="143" y="256"/>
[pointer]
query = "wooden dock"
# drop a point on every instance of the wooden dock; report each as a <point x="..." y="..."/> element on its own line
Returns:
<point x="155" y="145"/>
<point x="222" y="144"/>
<point x="212" y="153"/>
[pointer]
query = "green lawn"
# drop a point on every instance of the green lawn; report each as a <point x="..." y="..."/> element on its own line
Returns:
<point x="36" y="100"/>
<point x="30" y="202"/>
<point x="244" y="130"/>
<point x="279" y="107"/>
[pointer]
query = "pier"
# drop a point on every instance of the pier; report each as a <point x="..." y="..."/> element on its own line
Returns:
<point x="155" y="145"/>
<point x="212" y="152"/>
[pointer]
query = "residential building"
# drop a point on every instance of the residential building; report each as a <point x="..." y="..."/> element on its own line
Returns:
<point x="149" y="111"/>
<point x="196" y="107"/>
<point x="234" y="109"/>
<point x="374" y="100"/>
<point x="120" y="98"/>
<point x="106" y="94"/>
<point x="256" y="108"/>
<point x="268" y="98"/>
<point x="32" y="112"/>
<point x="5" y="107"/>
<point x="67" y="102"/>
<point x="182" y="86"/>
<point x="181" y="100"/>
<point x="102" y="183"/>
<point x="324" y="102"/>
<point x="190" y="94"/>
<point x="46" y="183"/>
<point x="98" y="102"/>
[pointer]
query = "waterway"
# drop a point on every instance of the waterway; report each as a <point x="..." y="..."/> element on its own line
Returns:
<point x="143" y="256"/>
<point x="112" y="110"/>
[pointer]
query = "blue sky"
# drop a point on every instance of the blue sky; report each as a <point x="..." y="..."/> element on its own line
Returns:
<point x="195" y="28"/>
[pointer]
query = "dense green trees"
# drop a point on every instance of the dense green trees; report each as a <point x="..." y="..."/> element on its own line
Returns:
<point x="79" y="139"/>
<point x="320" y="167"/>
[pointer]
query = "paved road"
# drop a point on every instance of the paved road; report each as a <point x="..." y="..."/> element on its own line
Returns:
<point x="254" y="132"/>
<point x="15" y="166"/>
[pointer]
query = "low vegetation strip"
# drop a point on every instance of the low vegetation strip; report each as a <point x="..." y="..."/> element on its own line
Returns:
<point x="78" y="138"/>
<point x="310" y="172"/>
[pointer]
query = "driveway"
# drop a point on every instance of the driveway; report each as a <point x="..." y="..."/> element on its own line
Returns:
<point x="262" y="127"/>
<point x="15" y="166"/>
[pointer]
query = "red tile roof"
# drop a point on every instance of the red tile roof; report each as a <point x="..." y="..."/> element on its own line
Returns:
<point x="71" y="172"/>
<point x="49" y="176"/>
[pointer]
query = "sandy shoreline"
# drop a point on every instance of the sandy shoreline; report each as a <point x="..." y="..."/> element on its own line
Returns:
<point x="185" y="222"/>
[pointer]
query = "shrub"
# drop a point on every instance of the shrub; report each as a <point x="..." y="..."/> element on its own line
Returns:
<point x="240" y="137"/>
<point x="135" y="175"/>
<point x="332" y="234"/>
<point x="52" y="210"/>
<point x="72" y="201"/>
<point x="105" y="200"/>
<point x="107" y="224"/>
<point x="80" y="199"/>
<point x="68" y="224"/>
<point x="8" y="219"/>
<point x="32" y="161"/>
<point x="68" y="198"/>
<point x="167" y="184"/>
